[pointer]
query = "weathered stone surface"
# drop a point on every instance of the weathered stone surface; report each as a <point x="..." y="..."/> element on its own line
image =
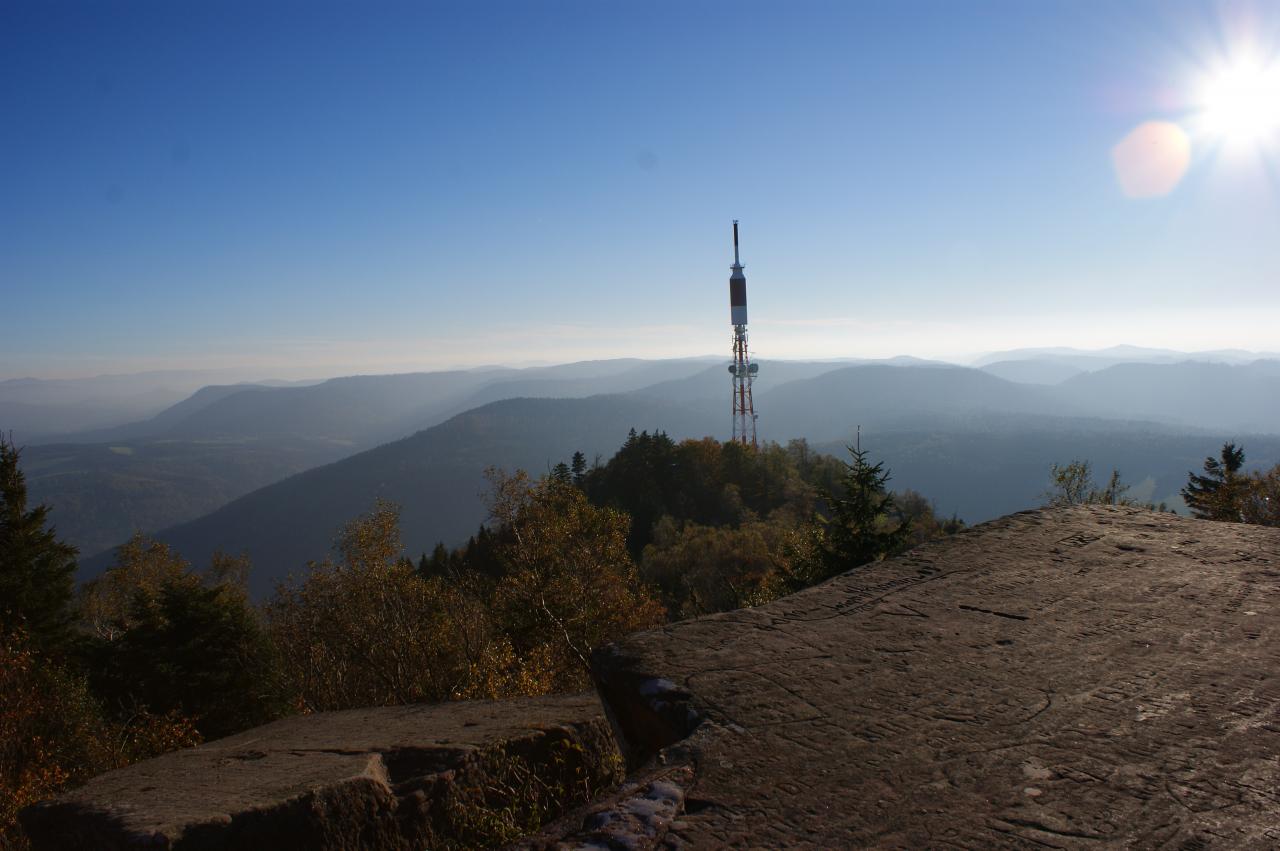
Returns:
<point x="1062" y="678"/>
<point x="368" y="778"/>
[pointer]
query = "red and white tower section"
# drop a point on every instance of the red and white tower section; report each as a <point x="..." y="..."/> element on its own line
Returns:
<point x="742" y="369"/>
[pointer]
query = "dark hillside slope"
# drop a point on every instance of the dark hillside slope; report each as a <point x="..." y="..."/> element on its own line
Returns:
<point x="435" y="475"/>
<point x="103" y="492"/>
<point x="227" y="440"/>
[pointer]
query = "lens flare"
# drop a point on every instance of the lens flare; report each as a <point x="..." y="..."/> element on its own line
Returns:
<point x="1152" y="159"/>
<point x="1240" y="103"/>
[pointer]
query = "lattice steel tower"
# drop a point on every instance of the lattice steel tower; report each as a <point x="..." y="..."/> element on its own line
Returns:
<point x="742" y="369"/>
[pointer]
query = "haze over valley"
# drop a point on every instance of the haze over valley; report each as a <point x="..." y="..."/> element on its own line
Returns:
<point x="231" y="464"/>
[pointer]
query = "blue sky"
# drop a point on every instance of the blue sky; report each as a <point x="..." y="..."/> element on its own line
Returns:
<point x="302" y="187"/>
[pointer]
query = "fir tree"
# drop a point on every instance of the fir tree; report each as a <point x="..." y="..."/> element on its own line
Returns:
<point x="437" y="564"/>
<point x="36" y="569"/>
<point x="197" y="650"/>
<point x="1219" y="493"/>
<point x="858" y="529"/>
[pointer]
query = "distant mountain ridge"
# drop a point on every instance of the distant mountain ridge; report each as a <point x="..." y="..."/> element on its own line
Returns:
<point x="223" y="442"/>
<point x="122" y="407"/>
<point x="435" y="475"/>
<point x="977" y="444"/>
<point x="979" y="465"/>
<point x="170" y="418"/>
<point x="365" y="410"/>
<point x="42" y="410"/>
<point x="227" y="440"/>
<point x="1093" y="359"/>
<point x="1031" y="371"/>
<point x="1198" y="394"/>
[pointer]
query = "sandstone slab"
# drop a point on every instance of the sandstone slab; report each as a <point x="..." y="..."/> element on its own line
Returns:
<point x="1069" y="678"/>
<point x="377" y="778"/>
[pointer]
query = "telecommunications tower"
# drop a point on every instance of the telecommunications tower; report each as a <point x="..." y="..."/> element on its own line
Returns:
<point x="742" y="369"/>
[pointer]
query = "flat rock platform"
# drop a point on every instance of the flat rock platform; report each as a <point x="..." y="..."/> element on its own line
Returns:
<point x="380" y="778"/>
<point x="1069" y="678"/>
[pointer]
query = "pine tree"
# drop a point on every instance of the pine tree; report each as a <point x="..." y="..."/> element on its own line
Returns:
<point x="480" y="555"/>
<point x="36" y="569"/>
<point x="1219" y="493"/>
<point x="857" y="530"/>
<point x="198" y="650"/>
<point x="437" y="564"/>
<point x="578" y="468"/>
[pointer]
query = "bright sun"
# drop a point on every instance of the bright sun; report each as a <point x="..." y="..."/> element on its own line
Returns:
<point x="1240" y="103"/>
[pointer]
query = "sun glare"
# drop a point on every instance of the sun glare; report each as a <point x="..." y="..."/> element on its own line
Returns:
<point x="1240" y="103"/>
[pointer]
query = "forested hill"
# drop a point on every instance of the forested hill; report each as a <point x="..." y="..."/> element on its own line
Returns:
<point x="978" y="466"/>
<point x="977" y="444"/>
<point x="436" y="476"/>
<point x="225" y="441"/>
<point x="1244" y="397"/>
<point x="823" y="401"/>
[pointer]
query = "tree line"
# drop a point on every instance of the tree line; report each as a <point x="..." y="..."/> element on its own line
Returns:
<point x="1222" y="491"/>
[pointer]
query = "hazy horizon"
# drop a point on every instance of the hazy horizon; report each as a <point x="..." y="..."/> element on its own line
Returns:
<point x="398" y="188"/>
<point x="282" y="372"/>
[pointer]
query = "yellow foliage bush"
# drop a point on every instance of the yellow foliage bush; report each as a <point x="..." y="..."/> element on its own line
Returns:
<point x="369" y="629"/>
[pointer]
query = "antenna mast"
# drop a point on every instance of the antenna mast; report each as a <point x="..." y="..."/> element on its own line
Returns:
<point x="742" y="369"/>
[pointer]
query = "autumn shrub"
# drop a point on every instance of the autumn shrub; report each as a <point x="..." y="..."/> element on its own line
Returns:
<point x="703" y="569"/>
<point x="107" y="605"/>
<point x="368" y="629"/>
<point x="53" y="733"/>
<point x="509" y="794"/>
<point x="1260" y="503"/>
<point x="568" y="583"/>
